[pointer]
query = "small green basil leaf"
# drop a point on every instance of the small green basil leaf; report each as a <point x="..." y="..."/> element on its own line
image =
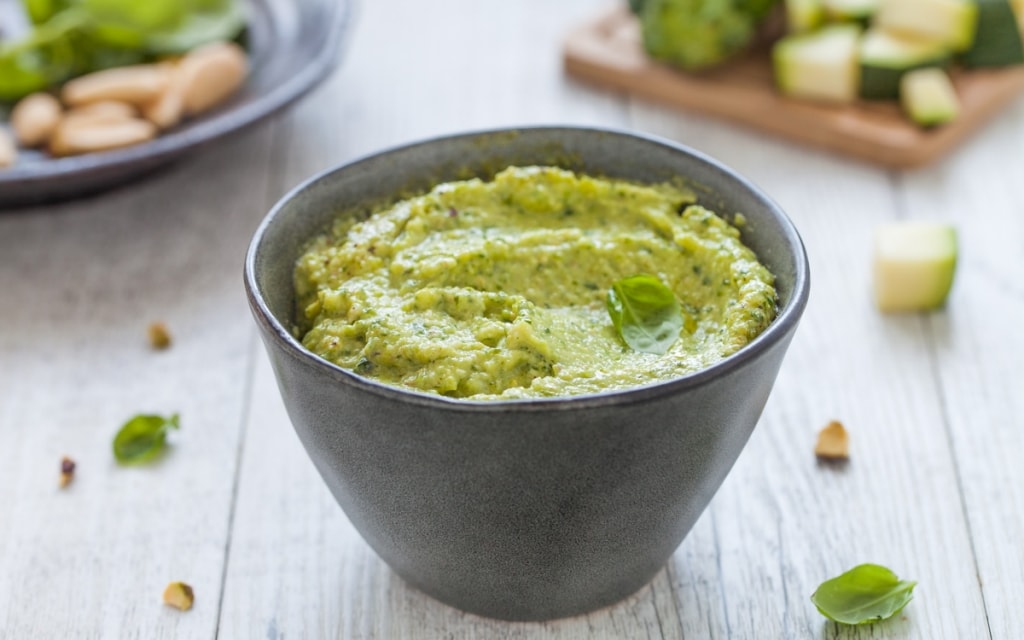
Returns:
<point x="142" y="438"/>
<point x="199" y="28"/>
<point x="164" y="26"/>
<point x="142" y="16"/>
<point x="866" y="593"/>
<point x="43" y="58"/>
<point x="645" y="312"/>
<point x="20" y="77"/>
<point x="39" y="11"/>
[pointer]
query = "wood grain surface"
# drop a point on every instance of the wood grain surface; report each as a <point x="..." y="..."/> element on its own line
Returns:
<point x="608" y="52"/>
<point x="935" y="487"/>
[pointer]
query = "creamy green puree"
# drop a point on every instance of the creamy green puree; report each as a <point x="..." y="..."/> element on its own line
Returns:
<point x="496" y="290"/>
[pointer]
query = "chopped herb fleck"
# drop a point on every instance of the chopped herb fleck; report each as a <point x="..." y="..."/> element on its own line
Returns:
<point x="67" y="471"/>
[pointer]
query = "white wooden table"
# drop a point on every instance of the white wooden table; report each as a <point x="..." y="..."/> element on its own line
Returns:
<point x="934" y="403"/>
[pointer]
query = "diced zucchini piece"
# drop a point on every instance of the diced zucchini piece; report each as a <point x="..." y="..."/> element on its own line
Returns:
<point x="914" y="265"/>
<point x="928" y="97"/>
<point x="885" y="57"/>
<point x="850" y="10"/>
<point x="819" y="66"/>
<point x="950" y="22"/>
<point x="997" y="41"/>
<point x="804" y="15"/>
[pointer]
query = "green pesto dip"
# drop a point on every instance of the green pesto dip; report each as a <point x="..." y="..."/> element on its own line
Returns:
<point x="496" y="290"/>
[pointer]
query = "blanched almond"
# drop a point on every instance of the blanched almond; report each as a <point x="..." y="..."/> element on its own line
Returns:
<point x="8" y="152"/>
<point x="75" y="135"/>
<point x="833" y="442"/>
<point x="103" y="111"/>
<point x="179" y="595"/>
<point x="210" y="74"/>
<point x="137" y="84"/>
<point x="34" y="118"/>
<point x="167" y="109"/>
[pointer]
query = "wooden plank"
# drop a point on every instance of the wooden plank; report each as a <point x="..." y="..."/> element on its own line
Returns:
<point x="979" y="345"/>
<point x="80" y="284"/>
<point x="784" y="523"/>
<point x="608" y="52"/>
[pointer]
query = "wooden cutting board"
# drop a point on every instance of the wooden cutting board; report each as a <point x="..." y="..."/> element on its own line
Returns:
<point x="607" y="51"/>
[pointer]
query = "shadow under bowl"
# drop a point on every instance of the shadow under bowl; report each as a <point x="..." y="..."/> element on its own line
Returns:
<point x="526" y="509"/>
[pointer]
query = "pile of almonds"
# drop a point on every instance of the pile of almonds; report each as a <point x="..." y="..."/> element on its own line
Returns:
<point x="125" y="106"/>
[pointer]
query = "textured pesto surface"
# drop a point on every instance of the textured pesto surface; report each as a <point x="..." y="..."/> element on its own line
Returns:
<point x="496" y="290"/>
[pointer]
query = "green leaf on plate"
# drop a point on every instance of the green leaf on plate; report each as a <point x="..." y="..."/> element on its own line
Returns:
<point x="41" y="59"/>
<point x="866" y="593"/>
<point x="645" y="313"/>
<point x="142" y="438"/>
<point x="40" y="11"/>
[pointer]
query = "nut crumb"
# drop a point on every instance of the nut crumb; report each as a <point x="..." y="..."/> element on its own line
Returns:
<point x="159" y="336"/>
<point x="8" y="151"/>
<point x="833" y="442"/>
<point x="179" y="595"/>
<point x="67" y="471"/>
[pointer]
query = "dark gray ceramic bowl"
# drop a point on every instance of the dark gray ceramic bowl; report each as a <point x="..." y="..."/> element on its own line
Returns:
<point x="530" y="509"/>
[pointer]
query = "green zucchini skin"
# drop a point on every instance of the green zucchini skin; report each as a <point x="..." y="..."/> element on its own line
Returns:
<point x="997" y="40"/>
<point x="929" y="98"/>
<point x="886" y="57"/>
<point x="880" y="83"/>
<point x="803" y="16"/>
<point x="860" y="11"/>
<point x="821" y="65"/>
<point x="883" y="83"/>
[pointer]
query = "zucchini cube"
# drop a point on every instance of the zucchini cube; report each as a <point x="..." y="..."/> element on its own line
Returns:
<point x="819" y="66"/>
<point x="928" y="97"/>
<point x="914" y="265"/>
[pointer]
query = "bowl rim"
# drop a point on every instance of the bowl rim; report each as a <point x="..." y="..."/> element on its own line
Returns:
<point x="782" y="326"/>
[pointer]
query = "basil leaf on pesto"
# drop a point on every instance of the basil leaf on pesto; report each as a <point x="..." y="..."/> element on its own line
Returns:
<point x="865" y="594"/>
<point x="142" y="438"/>
<point x="645" y="313"/>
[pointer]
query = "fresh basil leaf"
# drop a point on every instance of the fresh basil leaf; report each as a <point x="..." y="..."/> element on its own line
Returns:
<point x="152" y="14"/>
<point x="20" y="76"/>
<point x="199" y="28"/>
<point x="44" y="57"/>
<point x="142" y="438"/>
<point x="866" y="593"/>
<point x="645" y="313"/>
<point x="164" y="26"/>
<point x="39" y="11"/>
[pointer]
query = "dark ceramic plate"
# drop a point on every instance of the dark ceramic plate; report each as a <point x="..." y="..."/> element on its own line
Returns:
<point x="293" y="44"/>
